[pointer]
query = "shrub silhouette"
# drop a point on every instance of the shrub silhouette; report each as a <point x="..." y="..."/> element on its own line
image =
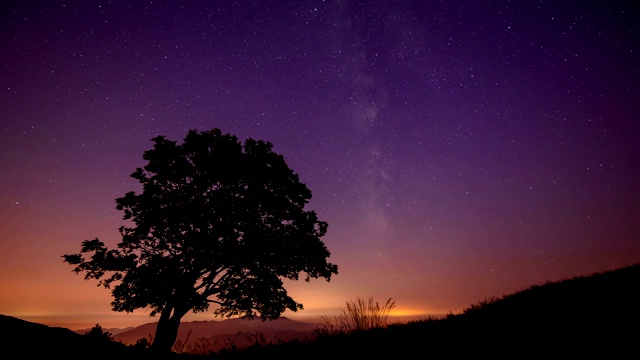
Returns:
<point x="97" y="334"/>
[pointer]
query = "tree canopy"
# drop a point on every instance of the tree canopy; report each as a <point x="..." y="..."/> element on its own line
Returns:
<point x="217" y="222"/>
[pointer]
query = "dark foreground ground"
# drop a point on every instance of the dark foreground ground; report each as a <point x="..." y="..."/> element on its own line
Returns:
<point x="594" y="317"/>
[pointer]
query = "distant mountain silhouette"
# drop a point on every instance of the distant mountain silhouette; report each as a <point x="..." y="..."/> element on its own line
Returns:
<point x="221" y="333"/>
<point x="112" y="331"/>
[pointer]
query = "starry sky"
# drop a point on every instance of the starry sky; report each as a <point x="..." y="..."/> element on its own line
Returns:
<point x="458" y="150"/>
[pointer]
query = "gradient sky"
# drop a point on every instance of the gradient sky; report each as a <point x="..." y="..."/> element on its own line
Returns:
<point x="459" y="150"/>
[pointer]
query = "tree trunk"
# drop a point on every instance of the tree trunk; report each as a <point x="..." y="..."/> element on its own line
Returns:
<point x="166" y="332"/>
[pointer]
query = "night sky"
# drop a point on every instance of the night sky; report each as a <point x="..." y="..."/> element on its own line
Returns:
<point x="458" y="150"/>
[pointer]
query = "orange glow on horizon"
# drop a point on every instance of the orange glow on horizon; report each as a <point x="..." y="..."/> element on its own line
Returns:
<point x="410" y="312"/>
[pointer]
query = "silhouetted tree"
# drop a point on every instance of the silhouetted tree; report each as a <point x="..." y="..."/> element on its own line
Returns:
<point x="217" y="222"/>
<point x="98" y="334"/>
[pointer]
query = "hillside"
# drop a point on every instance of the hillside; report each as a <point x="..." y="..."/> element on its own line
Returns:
<point x="596" y="315"/>
<point x="28" y="340"/>
<point x="593" y="316"/>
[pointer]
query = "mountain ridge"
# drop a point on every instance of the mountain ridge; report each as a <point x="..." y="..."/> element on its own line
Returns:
<point x="238" y="331"/>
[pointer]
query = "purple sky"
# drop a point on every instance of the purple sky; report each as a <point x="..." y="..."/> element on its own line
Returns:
<point x="458" y="150"/>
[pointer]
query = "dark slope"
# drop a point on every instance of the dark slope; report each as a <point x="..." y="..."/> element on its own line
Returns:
<point x="595" y="317"/>
<point x="27" y="340"/>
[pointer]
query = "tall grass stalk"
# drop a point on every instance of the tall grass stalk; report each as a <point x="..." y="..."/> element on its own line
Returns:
<point x="361" y="315"/>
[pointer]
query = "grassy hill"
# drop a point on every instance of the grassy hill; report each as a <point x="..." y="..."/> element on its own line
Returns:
<point x="594" y="316"/>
